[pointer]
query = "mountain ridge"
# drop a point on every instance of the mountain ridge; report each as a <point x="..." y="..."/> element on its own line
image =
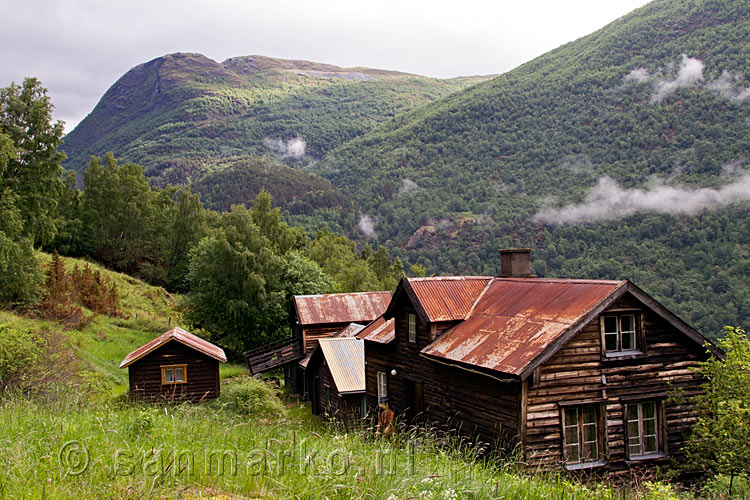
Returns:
<point x="181" y="114"/>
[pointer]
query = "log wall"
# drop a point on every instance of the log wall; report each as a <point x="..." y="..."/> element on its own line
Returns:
<point x="473" y="404"/>
<point x="580" y="372"/>
<point x="202" y="374"/>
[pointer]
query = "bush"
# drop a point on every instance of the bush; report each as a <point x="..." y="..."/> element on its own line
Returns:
<point x="252" y="397"/>
<point x="19" y="350"/>
<point x="20" y="274"/>
<point x="33" y="360"/>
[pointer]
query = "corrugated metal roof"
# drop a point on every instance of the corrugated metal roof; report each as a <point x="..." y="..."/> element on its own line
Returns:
<point x="447" y="298"/>
<point x="380" y="331"/>
<point x="346" y="361"/>
<point x="350" y="330"/>
<point x="516" y="319"/>
<point x="182" y="336"/>
<point x="360" y="307"/>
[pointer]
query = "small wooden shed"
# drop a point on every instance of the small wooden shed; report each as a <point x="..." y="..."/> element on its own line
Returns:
<point x="175" y="365"/>
<point x="336" y="371"/>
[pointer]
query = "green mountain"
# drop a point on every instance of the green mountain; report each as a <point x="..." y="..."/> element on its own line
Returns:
<point x="184" y="115"/>
<point x="623" y="154"/>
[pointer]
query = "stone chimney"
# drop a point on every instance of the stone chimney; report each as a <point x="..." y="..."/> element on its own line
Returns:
<point x="515" y="263"/>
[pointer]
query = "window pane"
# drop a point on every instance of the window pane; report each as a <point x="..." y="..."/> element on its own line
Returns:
<point x="590" y="452"/>
<point x="628" y="341"/>
<point x="649" y="445"/>
<point x="571" y="435"/>
<point x="633" y="430"/>
<point x="649" y="427"/>
<point x="610" y="342"/>
<point x="589" y="414"/>
<point x="627" y="323"/>
<point x="571" y="416"/>
<point x="649" y="409"/>
<point x="610" y="324"/>
<point x="179" y="374"/>
<point x="634" y="450"/>
<point x="632" y="412"/>
<point x="168" y="375"/>
<point x="589" y="432"/>
<point x="571" y="453"/>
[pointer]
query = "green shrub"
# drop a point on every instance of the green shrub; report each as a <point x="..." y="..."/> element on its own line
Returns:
<point x="252" y="397"/>
<point x="19" y="350"/>
<point x="20" y="275"/>
<point x="717" y="487"/>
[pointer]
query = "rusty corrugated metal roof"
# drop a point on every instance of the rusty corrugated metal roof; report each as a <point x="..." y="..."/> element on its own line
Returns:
<point x="516" y="319"/>
<point x="447" y="298"/>
<point x="381" y="330"/>
<point x="346" y="361"/>
<point x="350" y="330"/>
<point x="361" y="307"/>
<point x="182" y="336"/>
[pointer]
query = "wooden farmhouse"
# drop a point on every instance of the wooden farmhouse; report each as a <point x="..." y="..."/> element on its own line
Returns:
<point x="175" y="365"/>
<point x="336" y="378"/>
<point x="314" y="317"/>
<point x="575" y="372"/>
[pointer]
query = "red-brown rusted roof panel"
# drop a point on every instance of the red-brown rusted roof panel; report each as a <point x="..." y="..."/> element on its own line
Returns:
<point x="346" y="361"/>
<point x="350" y="330"/>
<point x="182" y="336"/>
<point x="360" y="307"/>
<point x="448" y="298"/>
<point x="516" y="319"/>
<point x="380" y="331"/>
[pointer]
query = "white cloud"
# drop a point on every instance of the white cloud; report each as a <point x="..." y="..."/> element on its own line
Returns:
<point x="730" y="86"/>
<point x="408" y="186"/>
<point x="639" y="75"/>
<point x="291" y="148"/>
<point x="608" y="200"/>
<point x="690" y="73"/>
<point x="367" y="226"/>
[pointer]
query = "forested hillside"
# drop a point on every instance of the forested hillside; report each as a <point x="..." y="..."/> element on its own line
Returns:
<point x="183" y="115"/>
<point x="623" y="154"/>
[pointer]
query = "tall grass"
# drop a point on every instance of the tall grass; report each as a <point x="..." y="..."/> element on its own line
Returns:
<point x="65" y="447"/>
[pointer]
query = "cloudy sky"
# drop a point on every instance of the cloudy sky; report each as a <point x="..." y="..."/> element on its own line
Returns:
<point x="78" y="48"/>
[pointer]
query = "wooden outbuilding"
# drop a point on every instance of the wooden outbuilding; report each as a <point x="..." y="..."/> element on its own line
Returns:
<point x="577" y="373"/>
<point x="176" y="365"/>
<point x="336" y="373"/>
<point x="314" y="317"/>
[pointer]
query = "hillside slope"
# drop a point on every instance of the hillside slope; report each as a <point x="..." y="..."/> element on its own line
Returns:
<point x="183" y="115"/>
<point x="621" y="155"/>
<point x="101" y="345"/>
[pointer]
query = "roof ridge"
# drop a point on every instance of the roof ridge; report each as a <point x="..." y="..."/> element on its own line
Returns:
<point x="479" y="297"/>
<point x="342" y="293"/>
<point x="450" y="278"/>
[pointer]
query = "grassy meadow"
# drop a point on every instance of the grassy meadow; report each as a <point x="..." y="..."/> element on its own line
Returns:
<point x="79" y="438"/>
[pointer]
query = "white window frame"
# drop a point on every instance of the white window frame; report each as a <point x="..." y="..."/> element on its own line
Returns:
<point x="382" y="382"/>
<point x="580" y="426"/>
<point x="639" y="437"/>
<point x="412" y="328"/>
<point x="620" y="333"/>
<point x="169" y="374"/>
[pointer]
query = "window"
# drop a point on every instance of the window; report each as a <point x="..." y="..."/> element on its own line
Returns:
<point x="412" y="327"/>
<point x="173" y="374"/>
<point x="328" y="398"/>
<point x="642" y="429"/>
<point x="363" y="406"/>
<point x="382" y="386"/>
<point x="620" y="333"/>
<point x="581" y="441"/>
